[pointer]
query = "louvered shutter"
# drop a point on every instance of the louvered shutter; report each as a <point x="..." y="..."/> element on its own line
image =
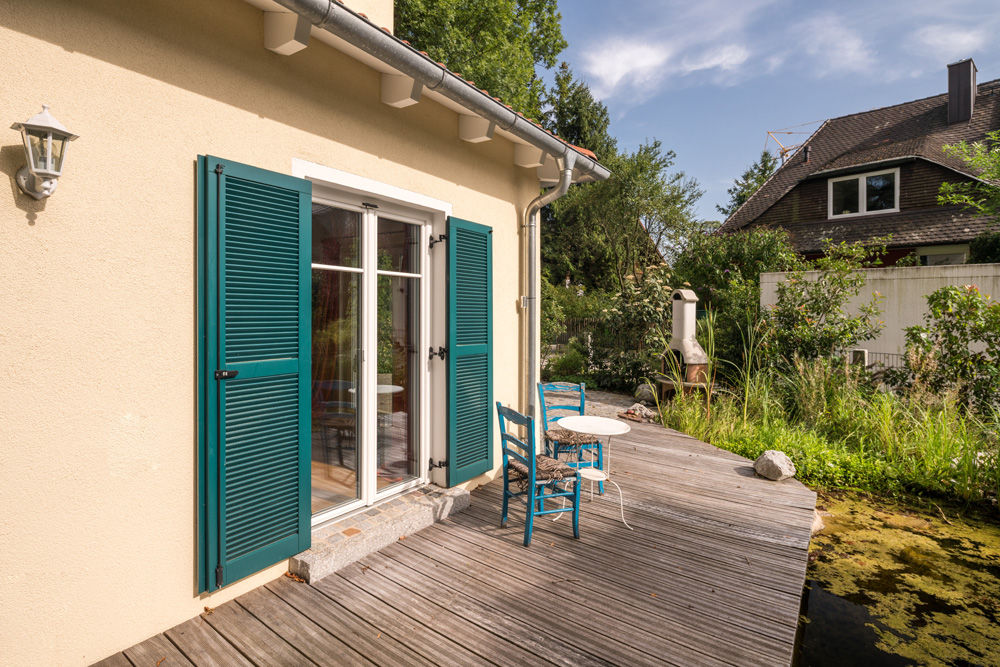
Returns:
<point x="256" y="431"/>
<point x="470" y="350"/>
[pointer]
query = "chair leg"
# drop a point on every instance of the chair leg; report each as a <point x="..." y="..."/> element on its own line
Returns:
<point x="506" y="500"/>
<point x="529" y="519"/>
<point x="576" y="507"/>
<point x="600" y="464"/>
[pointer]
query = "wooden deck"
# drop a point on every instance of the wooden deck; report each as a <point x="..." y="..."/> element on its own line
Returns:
<point x="711" y="575"/>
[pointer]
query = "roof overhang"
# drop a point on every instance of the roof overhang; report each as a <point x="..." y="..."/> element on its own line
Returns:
<point x="862" y="166"/>
<point x="481" y="117"/>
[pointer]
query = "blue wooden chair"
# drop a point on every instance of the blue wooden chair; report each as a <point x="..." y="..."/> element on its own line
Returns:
<point x="572" y="400"/>
<point x="538" y="477"/>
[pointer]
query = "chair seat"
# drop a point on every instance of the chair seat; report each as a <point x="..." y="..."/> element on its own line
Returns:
<point x="571" y="438"/>
<point x="546" y="469"/>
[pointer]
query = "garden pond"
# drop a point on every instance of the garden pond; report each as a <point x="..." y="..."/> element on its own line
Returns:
<point x="891" y="585"/>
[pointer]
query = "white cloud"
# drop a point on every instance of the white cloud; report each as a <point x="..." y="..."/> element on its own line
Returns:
<point x="834" y="47"/>
<point x="948" y="42"/>
<point x="617" y="63"/>
<point x="726" y="58"/>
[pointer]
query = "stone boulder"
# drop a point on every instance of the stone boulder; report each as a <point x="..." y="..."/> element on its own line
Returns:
<point x="644" y="394"/>
<point x="775" y="465"/>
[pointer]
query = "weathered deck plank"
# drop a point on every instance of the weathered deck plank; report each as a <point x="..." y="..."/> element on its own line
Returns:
<point x="200" y="642"/>
<point x="711" y="575"/>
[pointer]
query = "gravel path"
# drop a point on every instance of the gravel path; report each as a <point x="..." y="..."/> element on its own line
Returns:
<point x="606" y="403"/>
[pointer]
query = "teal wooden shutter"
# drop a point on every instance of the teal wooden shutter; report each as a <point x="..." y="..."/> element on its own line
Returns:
<point x="255" y="322"/>
<point x="470" y="350"/>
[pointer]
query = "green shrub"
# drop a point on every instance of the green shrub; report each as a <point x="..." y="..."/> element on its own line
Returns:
<point x="985" y="248"/>
<point x="570" y="363"/>
<point x="724" y="271"/>
<point x="958" y="347"/>
<point x="809" y="319"/>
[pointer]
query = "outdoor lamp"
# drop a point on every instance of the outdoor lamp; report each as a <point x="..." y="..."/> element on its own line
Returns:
<point x="45" y="148"/>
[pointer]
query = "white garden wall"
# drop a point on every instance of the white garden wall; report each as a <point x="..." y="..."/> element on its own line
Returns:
<point x="903" y="291"/>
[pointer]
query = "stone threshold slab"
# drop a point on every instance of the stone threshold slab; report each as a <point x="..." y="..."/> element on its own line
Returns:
<point x="344" y="541"/>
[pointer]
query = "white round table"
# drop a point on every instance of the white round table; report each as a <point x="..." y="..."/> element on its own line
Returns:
<point x="599" y="426"/>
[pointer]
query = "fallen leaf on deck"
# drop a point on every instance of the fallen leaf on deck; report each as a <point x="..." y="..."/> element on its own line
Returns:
<point x="209" y="610"/>
<point x="295" y="577"/>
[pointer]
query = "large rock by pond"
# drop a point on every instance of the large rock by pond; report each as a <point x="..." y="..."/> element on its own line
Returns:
<point x="774" y="465"/>
<point x="644" y="394"/>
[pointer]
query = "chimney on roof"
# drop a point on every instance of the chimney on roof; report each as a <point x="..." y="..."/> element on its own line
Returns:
<point x="961" y="90"/>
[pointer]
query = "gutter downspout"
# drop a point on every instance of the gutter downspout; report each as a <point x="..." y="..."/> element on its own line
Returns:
<point x="530" y="220"/>
<point x="340" y="21"/>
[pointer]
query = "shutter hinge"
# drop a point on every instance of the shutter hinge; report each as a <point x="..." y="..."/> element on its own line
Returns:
<point x="218" y="576"/>
<point x="441" y="352"/>
<point x="441" y="238"/>
<point x="225" y="375"/>
<point x="440" y="464"/>
<point x="218" y="168"/>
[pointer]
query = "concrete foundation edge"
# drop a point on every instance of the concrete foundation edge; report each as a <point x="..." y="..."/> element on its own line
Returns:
<point x="343" y="542"/>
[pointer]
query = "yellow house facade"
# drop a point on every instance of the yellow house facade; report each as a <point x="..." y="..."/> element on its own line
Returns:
<point x="286" y="271"/>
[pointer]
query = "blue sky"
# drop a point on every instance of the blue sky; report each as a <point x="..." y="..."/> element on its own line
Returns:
<point x="709" y="78"/>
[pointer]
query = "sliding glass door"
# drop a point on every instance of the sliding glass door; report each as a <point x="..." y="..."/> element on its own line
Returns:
<point x="367" y="301"/>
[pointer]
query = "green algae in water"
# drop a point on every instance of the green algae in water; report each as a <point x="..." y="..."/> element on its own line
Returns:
<point x="932" y="587"/>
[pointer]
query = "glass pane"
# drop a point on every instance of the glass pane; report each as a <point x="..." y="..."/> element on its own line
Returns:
<point x="845" y="197"/>
<point x="58" y="150"/>
<point x="398" y="246"/>
<point x="336" y="338"/>
<point x="336" y="236"/>
<point x="398" y="399"/>
<point x="39" y="149"/>
<point x="881" y="192"/>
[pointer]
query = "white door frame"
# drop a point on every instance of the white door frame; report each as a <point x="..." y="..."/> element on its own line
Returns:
<point x="337" y="188"/>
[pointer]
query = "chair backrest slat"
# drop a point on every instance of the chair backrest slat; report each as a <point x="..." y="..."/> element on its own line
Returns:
<point x="561" y="391"/>
<point x="527" y="449"/>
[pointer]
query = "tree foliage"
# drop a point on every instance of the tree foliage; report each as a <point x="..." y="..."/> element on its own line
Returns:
<point x="983" y="158"/>
<point x="623" y="225"/>
<point x="958" y="346"/>
<point x="496" y="43"/>
<point x="810" y="319"/>
<point x="749" y="182"/>
<point x="985" y="248"/>
<point x="724" y="271"/>
<point x="573" y="114"/>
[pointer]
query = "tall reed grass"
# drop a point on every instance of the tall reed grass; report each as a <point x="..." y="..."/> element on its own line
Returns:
<point x="843" y="429"/>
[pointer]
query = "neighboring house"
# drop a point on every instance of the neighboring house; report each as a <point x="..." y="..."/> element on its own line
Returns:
<point x="877" y="173"/>
<point x="204" y="357"/>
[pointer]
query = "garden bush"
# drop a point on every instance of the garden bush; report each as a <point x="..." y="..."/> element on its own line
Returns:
<point x="957" y="348"/>
<point x="810" y="320"/>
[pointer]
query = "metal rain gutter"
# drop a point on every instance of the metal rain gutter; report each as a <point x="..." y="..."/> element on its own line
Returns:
<point x="340" y="21"/>
<point x="530" y="220"/>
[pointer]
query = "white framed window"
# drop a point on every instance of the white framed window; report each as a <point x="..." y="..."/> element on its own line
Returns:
<point x="863" y="194"/>
<point x="943" y="254"/>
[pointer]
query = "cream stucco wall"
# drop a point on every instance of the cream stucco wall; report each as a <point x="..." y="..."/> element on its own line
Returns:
<point x="98" y="300"/>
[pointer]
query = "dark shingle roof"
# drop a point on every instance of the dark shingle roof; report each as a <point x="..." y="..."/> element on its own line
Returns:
<point x="913" y="129"/>
<point x="911" y="228"/>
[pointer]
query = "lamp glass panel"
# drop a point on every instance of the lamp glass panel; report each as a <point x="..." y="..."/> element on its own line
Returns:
<point x="58" y="152"/>
<point x="39" y="150"/>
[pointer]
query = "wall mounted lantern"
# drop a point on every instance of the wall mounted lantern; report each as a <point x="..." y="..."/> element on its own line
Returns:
<point x="45" y="148"/>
